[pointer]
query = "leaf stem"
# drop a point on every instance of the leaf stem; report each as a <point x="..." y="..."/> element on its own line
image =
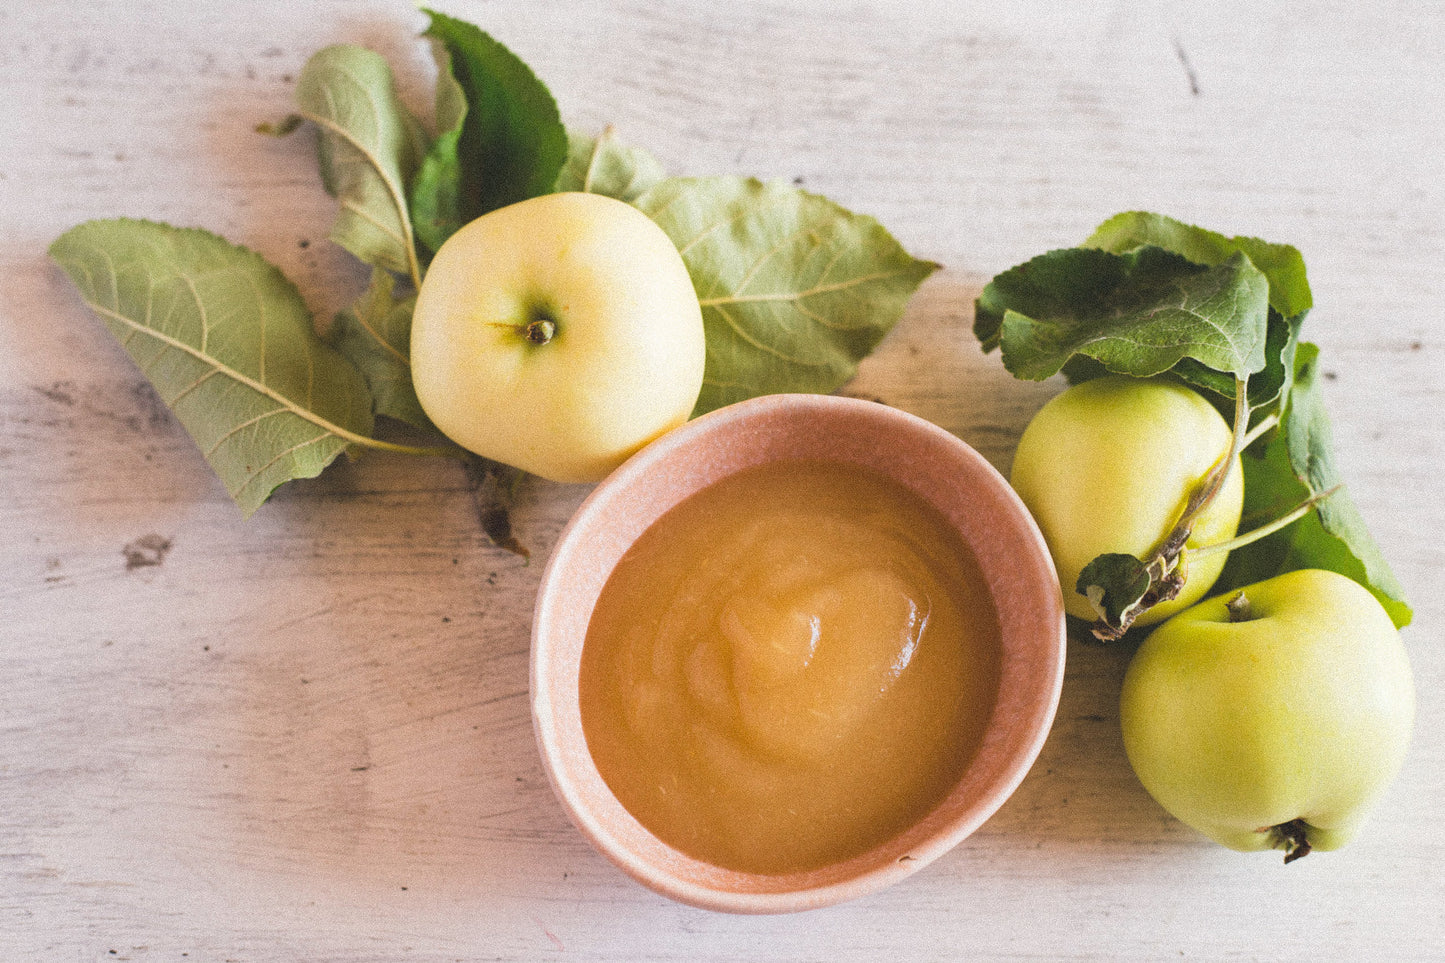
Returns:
<point x="1265" y="424"/>
<point x="1255" y="534"/>
<point x="438" y="451"/>
<point x="1239" y="439"/>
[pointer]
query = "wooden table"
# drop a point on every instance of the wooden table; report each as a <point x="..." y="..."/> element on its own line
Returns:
<point x="305" y="736"/>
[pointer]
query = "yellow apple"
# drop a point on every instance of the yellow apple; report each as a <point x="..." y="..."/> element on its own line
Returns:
<point x="558" y="335"/>
<point x="1108" y="465"/>
<point x="1272" y="717"/>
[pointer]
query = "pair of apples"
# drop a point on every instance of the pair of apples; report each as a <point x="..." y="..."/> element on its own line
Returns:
<point x="1270" y="718"/>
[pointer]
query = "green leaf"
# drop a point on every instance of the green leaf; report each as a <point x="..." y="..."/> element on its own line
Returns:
<point x="1265" y="387"/>
<point x="375" y="334"/>
<point x="228" y="344"/>
<point x="1291" y="466"/>
<point x="1282" y="264"/>
<point x="501" y="139"/>
<point x="1138" y="313"/>
<point x="368" y="151"/>
<point x="1115" y="585"/>
<point x="1270" y="386"/>
<point x="794" y="289"/>
<point x="436" y="203"/>
<point x="600" y="165"/>
<point x="1289" y="295"/>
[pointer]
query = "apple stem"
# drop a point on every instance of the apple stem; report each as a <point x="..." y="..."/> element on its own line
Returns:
<point x="541" y="330"/>
<point x="1239" y="608"/>
<point x="431" y="451"/>
<point x="1293" y="838"/>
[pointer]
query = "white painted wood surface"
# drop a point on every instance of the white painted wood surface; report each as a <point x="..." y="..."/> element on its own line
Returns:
<point x="305" y="737"/>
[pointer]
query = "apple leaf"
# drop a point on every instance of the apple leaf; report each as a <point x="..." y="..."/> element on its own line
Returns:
<point x="1289" y="296"/>
<point x="600" y="165"/>
<point x="436" y="203"/>
<point x="368" y="151"/>
<point x="1147" y="294"/>
<point x="795" y="290"/>
<point x="1116" y="585"/>
<point x="1292" y="465"/>
<point x="228" y="344"/>
<point x="375" y="334"/>
<point x="1139" y="313"/>
<point x="1265" y="387"/>
<point x="1282" y="264"/>
<point x="501" y="140"/>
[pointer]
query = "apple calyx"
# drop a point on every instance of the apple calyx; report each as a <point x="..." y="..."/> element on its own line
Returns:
<point x="1292" y="837"/>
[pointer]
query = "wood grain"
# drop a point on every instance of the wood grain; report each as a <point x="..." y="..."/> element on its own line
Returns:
<point x="305" y="737"/>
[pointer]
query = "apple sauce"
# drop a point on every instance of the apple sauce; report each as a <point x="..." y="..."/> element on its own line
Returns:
<point x="789" y="667"/>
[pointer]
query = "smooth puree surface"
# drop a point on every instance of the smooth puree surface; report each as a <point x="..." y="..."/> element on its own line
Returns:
<point x="789" y="667"/>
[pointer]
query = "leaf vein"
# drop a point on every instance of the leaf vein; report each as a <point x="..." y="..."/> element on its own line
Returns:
<point x="747" y="338"/>
<point x="171" y="402"/>
<point x="237" y="376"/>
<point x="810" y="292"/>
<point x="240" y="428"/>
<point x="397" y="196"/>
<point x="743" y="214"/>
<point x="251" y="478"/>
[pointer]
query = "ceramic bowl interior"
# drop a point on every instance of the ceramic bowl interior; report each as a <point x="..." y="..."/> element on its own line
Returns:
<point x="948" y="474"/>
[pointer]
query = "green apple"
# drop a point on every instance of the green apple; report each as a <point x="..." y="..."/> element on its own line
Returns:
<point x="558" y="335"/>
<point x="1275" y="720"/>
<point x="1108" y="465"/>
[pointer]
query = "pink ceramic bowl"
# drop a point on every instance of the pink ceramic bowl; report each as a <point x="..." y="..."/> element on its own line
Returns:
<point x="923" y="457"/>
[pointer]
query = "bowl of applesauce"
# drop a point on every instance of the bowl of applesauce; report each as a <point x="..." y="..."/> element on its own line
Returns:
<point x="792" y="652"/>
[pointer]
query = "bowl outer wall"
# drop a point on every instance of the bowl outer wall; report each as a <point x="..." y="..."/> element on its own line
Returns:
<point x="935" y="464"/>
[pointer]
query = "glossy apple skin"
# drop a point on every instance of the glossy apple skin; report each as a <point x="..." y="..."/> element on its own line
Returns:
<point x="623" y="365"/>
<point x="1108" y="465"/>
<point x="1303" y="712"/>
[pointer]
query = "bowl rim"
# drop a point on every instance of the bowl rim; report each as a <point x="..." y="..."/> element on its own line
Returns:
<point x="674" y="874"/>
